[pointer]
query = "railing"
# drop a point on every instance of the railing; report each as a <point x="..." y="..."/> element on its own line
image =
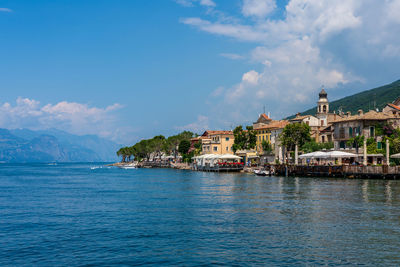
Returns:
<point x="341" y="171"/>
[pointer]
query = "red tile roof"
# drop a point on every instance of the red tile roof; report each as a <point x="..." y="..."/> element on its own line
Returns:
<point x="266" y="117"/>
<point x="370" y="115"/>
<point x="394" y="106"/>
<point x="274" y="125"/>
<point x="208" y="133"/>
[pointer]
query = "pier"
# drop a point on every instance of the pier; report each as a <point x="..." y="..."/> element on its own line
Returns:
<point x="343" y="171"/>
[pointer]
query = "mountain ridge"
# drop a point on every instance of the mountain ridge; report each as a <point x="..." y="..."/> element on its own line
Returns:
<point x="375" y="98"/>
<point x="52" y="145"/>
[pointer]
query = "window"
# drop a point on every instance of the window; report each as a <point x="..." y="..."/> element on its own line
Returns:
<point x="341" y="132"/>
<point x="259" y="138"/>
<point x="322" y="122"/>
<point x="379" y="145"/>
<point x="263" y="137"/>
<point x="324" y="108"/>
<point x="342" y="144"/>
<point x="215" y="148"/>
<point x="231" y="148"/>
<point x="350" y="132"/>
<point x="226" y="138"/>
<point x="226" y="149"/>
<point x="323" y="139"/>
<point x="307" y="122"/>
<point x="371" y="131"/>
<point x="319" y="109"/>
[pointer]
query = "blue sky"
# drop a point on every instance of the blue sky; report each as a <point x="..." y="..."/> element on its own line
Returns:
<point x="128" y="70"/>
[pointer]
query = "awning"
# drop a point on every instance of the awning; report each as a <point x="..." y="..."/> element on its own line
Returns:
<point x="317" y="155"/>
<point x="229" y="156"/>
<point x="340" y="154"/>
<point x="395" y="156"/>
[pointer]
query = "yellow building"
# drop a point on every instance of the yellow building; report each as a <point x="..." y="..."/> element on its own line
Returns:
<point x="263" y="134"/>
<point x="217" y="142"/>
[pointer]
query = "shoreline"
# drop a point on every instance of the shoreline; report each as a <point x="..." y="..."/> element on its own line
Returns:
<point x="341" y="171"/>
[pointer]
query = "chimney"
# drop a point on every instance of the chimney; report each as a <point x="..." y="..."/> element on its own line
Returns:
<point x="360" y="112"/>
<point x="348" y="113"/>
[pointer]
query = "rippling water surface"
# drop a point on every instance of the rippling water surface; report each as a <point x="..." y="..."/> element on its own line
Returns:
<point x="86" y="214"/>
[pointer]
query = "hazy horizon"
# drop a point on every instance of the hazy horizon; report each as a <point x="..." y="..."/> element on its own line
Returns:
<point x="130" y="70"/>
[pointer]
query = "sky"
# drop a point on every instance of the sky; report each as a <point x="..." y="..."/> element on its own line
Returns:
<point x="131" y="69"/>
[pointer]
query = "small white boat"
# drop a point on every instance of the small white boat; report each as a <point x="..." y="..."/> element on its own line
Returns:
<point x="261" y="172"/>
<point x="129" y="166"/>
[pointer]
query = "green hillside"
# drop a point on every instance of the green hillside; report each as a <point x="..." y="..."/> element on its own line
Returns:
<point x="364" y="100"/>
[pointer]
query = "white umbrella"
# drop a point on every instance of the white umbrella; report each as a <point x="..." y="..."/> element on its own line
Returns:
<point x="317" y="154"/>
<point x="340" y="154"/>
<point x="395" y="156"/>
<point x="229" y="156"/>
<point x="211" y="156"/>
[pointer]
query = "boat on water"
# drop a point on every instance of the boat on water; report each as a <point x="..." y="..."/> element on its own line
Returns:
<point x="265" y="171"/>
<point x="129" y="166"/>
<point x="261" y="172"/>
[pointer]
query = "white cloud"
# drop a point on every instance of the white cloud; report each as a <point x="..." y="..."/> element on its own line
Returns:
<point x="190" y="3"/>
<point x="258" y="8"/>
<point x="251" y="77"/>
<point x="199" y="126"/>
<point x="231" y="56"/>
<point x="3" y="9"/>
<point x="72" y="117"/>
<point x="217" y="92"/>
<point x="393" y="10"/>
<point x="207" y="3"/>
<point x="314" y="43"/>
<point x="241" y="32"/>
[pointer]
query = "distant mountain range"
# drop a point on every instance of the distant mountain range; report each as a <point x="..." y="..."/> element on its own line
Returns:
<point x="366" y="100"/>
<point x="24" y="145"/>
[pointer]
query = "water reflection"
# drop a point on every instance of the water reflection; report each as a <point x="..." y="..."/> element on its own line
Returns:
<point x="365" y="190"/>
<point x="388" y="191"/>
<point x="168" y="217"/>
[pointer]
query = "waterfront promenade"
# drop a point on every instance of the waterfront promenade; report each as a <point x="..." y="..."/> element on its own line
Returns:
<point x="345" y="171"/>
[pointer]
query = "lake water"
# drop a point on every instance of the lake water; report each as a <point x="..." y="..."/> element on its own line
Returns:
<point x="86" y="214"/>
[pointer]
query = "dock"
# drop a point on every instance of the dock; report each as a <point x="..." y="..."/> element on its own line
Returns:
<point x="218" y="168"/>
<point x="343" y="171"/>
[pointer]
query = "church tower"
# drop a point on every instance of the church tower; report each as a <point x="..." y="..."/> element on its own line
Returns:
<point x="323" y="103"/>
<point x="323" y="108"/>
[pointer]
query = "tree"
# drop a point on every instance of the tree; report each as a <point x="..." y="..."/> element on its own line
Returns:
<point x="145" y="148"/>
<point x="122" y="152"/>
<point x="184" y="147"/>
<point x="295" y="133"/>
<point x="266" y="146"/>
<point x="244" y="139"/>
<point x="312" y="146"/>
<point x="357" y="142"/>
<point x="157" y="143"/>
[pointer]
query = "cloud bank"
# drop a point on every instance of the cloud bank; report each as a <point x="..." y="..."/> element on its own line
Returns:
<point x="76" y="118"/>
<point x="302" y="46"/>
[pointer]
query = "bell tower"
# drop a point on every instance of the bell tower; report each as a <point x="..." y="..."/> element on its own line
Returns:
<point x="323" y="103"/>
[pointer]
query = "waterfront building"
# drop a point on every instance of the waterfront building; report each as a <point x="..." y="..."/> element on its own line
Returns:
<point x="263" y="120"/>
<point x="270" y="134"/>
<point x="310" y="120"/>
<point x="321" y="123"/>
<point x="217" y="142"/>
<point x="393" y="107"/>
<point x="369" y="125"/>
